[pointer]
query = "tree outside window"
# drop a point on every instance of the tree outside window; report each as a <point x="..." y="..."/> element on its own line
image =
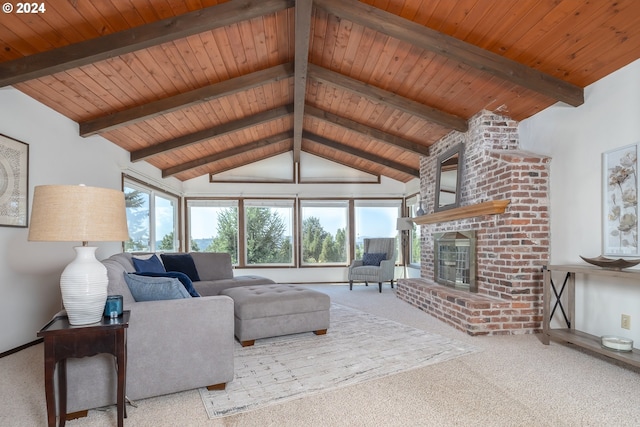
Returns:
<point x="138" y="220"/>
<point x="269" y="232"/>
<point x="213" y="226"/>
<point x="324" y="232"/>
<point x="414" y="242"/>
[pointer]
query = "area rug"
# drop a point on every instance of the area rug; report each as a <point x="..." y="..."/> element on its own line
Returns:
<point x="357" y="347"/>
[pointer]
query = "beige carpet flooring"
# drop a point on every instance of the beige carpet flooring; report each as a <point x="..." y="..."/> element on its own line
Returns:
<point x="512" y="381"/>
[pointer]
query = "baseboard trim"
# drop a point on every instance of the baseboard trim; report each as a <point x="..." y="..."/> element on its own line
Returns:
<point x="22" y="347"/>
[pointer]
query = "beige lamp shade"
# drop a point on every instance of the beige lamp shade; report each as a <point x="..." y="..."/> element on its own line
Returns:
<point x="77" y="213"/>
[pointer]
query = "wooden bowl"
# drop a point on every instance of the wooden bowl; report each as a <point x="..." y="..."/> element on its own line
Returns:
<point x="613" y="264"/>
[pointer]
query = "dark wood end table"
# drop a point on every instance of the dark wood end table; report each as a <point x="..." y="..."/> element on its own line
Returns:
<point x="63" y="340"/>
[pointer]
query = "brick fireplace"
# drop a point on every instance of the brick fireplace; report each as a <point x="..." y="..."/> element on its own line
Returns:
<point x="511" y="247"/>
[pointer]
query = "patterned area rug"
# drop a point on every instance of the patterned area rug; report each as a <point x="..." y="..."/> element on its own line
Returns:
<point x="357" y="347"/>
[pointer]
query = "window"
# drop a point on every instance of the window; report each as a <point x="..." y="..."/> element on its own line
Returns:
<point x="152" y="218"/>
<point x="376" y="218"/>
<point x="268" y="231"/>
<point x="324" y="232"/>
<point x="213" y="226"/>
<point x="271" y="232"/>
<point x="414" y="240"/>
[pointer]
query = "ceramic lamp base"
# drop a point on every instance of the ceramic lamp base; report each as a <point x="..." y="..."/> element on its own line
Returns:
<point x="84" y="285"/>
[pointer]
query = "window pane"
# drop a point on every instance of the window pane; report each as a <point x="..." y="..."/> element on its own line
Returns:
<point x="269" y="236"/>
<point x="324" y="232"/>
<point x="213" y="227"/>
<point x="414" y="241"/>
<point x="165" y="214"/>
<point x="152" y="219"/>
<point x="415" y="245"/>
<point x="137" y="205"/>
<point x="376" y="221"/>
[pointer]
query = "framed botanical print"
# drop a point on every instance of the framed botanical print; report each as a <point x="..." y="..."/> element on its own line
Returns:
<point x="620" y="201"/>
<point x="14" y="182"/>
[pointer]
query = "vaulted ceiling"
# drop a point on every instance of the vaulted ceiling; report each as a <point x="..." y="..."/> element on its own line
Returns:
<point x="199" y="87"/>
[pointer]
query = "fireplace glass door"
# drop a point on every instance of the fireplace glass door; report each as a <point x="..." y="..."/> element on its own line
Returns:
<point x="455" y="260"/>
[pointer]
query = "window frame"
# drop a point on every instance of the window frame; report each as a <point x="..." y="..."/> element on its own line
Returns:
<point x="396" y="203"/>
<point x="298" y="204"/>
<point x="153" y="192"/>
<point x="214" y="203"/>
<point x="337" y="203"/>
<point x="269" y="203"/>
<point x="413" y="203"/>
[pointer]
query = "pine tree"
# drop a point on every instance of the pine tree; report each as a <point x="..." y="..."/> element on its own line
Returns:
<point x="313" y="235"/>
<point x="167" y="243"/>
<point x="137" y="221"/>
<point x="265" y="235"/>
<point x="227" y="238"/>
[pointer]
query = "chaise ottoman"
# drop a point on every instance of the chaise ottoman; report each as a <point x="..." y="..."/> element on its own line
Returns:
<point x="264" y="311"/>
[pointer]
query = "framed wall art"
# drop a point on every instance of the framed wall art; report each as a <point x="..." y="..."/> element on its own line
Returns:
<point x="620" y="201"/>
<point x="14" y="182"/>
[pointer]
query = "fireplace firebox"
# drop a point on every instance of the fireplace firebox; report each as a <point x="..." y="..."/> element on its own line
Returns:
<point x="455" y="259"/>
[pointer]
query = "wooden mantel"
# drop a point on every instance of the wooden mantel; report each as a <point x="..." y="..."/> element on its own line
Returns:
<point x="486" y="208"/>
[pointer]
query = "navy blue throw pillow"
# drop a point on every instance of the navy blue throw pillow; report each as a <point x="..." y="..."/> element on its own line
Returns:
<point x="184" y="279"/>
<point x="182" y="263"/>
<point x="373" y="258"/>
<point x="152" y="263"/>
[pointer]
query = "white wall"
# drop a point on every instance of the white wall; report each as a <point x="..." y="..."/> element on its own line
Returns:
<point x="30" y="271"/>
<point x="575" y="138"/>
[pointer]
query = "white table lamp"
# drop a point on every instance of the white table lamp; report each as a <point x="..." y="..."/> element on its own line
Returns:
<point x="77" y="213"/>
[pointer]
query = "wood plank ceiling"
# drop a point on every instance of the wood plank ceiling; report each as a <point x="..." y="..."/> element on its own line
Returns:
<point x="203" y="86"/>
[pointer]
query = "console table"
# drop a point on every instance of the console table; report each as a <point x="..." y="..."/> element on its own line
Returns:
<point x="559" y="279"/>
<point x="63" y="340"/>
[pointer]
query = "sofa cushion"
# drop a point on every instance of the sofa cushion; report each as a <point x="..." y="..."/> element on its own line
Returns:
<point x="125" y="259"/>
<point x="182" y="263"/>
<point x="213" y="265"/>
<point x="144" y="288"/>
<point x="183" y="278"/>
<point x="150" y="264"/>
<point x="214" y="287"/>
<point x="117" y="285"/>
<point x="373" y="258"/>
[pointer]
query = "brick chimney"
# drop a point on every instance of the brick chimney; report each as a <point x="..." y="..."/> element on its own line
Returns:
<point x="511" y="247"/>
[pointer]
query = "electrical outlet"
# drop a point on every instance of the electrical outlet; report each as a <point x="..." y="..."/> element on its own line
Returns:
<point x="625" y="323"/>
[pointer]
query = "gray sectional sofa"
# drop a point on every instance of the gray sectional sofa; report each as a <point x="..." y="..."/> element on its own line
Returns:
<point x="173" y="345"/>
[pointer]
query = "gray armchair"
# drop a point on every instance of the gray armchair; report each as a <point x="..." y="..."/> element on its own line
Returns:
<point x="366" y="269"/>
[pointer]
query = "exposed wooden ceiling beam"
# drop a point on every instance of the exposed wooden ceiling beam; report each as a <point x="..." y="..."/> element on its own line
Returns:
<point x="144" y="36"/>
<point x="390" y="99"/>
<point x="362" y="154"/>
<point x="302" y="35"/>
<point x="184" y="100"/>
<point x="227" y="153"/>
<point x="203" y="135"/>
<point x="387" y="138"/>
<point x="458" y="50"/>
